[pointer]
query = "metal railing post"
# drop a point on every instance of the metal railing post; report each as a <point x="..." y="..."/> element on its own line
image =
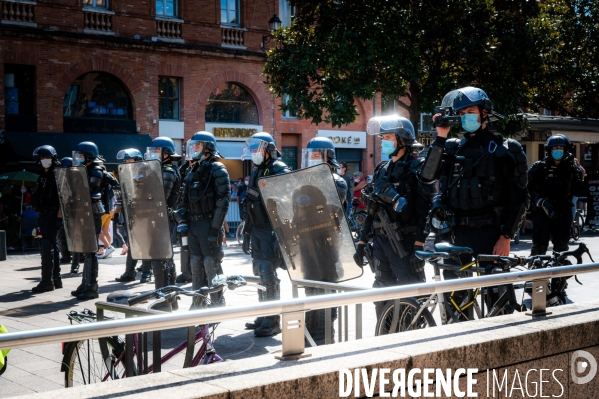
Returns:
<point x="293" y="325"/>
<point x="539" y="298"/>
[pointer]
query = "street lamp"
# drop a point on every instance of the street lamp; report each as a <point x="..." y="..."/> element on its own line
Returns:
<point x="273" y="24"/>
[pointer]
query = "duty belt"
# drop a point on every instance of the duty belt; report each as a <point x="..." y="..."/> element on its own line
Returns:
<point x="475" y="221"/>
<point x="197" y="218"/>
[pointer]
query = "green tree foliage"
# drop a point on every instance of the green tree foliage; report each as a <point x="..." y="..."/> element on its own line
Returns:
<point x="336" y="51"/>
<point x="568" y="80"/>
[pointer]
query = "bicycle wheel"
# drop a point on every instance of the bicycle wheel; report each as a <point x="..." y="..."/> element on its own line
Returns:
<point x="83" y="363"/>
<point x="239" y="232"/>
<point x="409" y="307"/>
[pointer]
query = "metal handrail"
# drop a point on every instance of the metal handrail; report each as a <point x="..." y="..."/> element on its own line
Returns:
<point x="21" y="339"/>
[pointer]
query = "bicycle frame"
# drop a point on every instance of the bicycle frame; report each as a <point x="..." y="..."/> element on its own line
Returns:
<point x="203" y="334"/>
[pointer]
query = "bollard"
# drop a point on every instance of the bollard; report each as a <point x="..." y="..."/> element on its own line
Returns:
<point x="2" y="245"/>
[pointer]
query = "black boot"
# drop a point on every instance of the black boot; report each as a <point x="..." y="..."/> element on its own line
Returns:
<point x="252" y="325"/>
<point x="90" y="291"/>
<point x="74" y="268"/>
<point x="85" y="276"/>
<point x="57" y="281"/>
<point x="270" y="326"/>
<point x="126" y="277"/>
<point x="160" y="274"/>
<point x="44" y="286"/>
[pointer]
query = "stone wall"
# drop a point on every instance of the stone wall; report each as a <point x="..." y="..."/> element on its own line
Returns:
<point x="510" y="343"/>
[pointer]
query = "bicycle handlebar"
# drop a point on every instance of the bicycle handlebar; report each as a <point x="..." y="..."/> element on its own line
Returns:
<point x="232" y="282"/>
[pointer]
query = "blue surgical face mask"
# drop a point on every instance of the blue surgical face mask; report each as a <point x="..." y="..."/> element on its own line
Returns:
<point x="470" y="122"/>
<point x="557" y="154"/>
<point x="387" y="147"/>
<point x="81" y="160"/>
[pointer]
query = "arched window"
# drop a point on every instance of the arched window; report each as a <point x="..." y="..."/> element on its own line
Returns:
<point x="97" y="95"/>
<point x="231" y="103"/>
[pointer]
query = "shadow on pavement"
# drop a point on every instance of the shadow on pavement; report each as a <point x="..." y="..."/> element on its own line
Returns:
<point x="16" y="296"/>
<point x="38" y="309"/>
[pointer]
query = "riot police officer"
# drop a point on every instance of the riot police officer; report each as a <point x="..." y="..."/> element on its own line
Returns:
<point x="47" y="204"/>
<point x="87" y="154"/>
<point x="322" y="150"/>
<point x="396" y="196"/>
<point x="552" y="183"/>
<point x="261" y="149"/>
<point x="206" y="199"/>
<point x="483" y="179"/>
<point x="163" y="149"/>
<point x="185" y="276"/>
<point x="130" y="155"/>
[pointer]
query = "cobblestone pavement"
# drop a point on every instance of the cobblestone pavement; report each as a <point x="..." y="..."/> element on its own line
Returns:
<point x="37" y="369"/>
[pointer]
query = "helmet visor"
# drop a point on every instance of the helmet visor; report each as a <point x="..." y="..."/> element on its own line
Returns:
<point x="253" y="146"/>
<point x="383" y="124"/>
<point x="194" y="150"/>
<point x="153" y="153"/>
<point x="78" y="158"/>
<point x="313" y="156"/>
<point x="448" y="99"/>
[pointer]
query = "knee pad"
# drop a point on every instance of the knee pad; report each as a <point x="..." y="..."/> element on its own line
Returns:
<point x="560" y="246"/>
<point x="256" y="267"/>
<point x="268" y="272"/>
<point x="211" y="268"/>
<point x="45" y="245"/>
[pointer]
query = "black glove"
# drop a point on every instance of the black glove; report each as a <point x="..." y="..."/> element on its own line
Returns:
<point x="213" y="238"/>
<point x="548" y="208"/>
<point x="359" y="255"/>
<point x="417" y="264"/>
<point x="245" y="246"/>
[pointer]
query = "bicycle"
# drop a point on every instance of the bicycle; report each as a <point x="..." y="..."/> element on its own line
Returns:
<point x="417" y="313"/>
<point x="91" y="361"/>
<point x="239" y="232"/>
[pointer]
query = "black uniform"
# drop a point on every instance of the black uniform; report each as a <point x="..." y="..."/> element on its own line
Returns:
<point x="265" y="256"/>
<point x="185" y="275"/>
<point x="207" y="195"/>
<point x="402" y="176"/>
<point x="47" y="204"/>
<point x="164" y="269"/>
<point x="483" y="184"/>
<point x="556" y="183"/>
<point x="99" y="182"/>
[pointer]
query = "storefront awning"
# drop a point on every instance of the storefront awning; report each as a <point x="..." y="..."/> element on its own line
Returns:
<point x="230" y="149"/>
<point x="23" y="144"/>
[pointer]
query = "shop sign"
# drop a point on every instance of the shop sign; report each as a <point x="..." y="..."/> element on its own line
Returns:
<point x="345" y="139"/>
<point x="426" y="138"/>
<point x="233" y="132"/>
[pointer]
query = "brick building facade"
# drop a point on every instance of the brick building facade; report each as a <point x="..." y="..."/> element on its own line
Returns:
<point x="99" y="69"/>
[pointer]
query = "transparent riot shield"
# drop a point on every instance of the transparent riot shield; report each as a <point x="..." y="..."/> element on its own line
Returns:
<point x="310" y="225"/>
<point x="76" y="206"/>
<point x="145" y="210"/>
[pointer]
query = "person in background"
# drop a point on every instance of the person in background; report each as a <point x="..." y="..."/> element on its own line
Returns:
<point x="241" y="194"/>
<point x="575" y="198"/>
<point x="359" y="184"/>
<point x="348" y="179"/>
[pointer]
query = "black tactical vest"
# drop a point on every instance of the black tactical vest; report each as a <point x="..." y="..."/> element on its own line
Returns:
<point x="474" y="182"/>
<point x="201" y="199"/>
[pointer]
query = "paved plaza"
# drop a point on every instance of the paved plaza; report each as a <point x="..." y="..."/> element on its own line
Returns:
<point x="37" y="369"/>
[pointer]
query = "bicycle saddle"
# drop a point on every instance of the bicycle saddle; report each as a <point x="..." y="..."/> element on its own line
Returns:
<point x="451" y="249"/>
<point x="120" y="297"/>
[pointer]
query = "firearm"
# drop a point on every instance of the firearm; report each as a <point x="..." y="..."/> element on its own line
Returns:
<point x="369" y="257"/>
<point x="392" y="232"/>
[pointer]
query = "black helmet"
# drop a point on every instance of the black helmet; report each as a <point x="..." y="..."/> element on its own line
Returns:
<point x="66" y="161"/>
<point x="259" y="141"/>
<point x="208" y="142"/>
<point x="166" y="146"/>
<point x="402" y="127"/>
<point x="559" y="140"/>
<point x="469" y="96"/>
<point x="307" y="200"/>
<point x="325" y="149"/>
<point x="89" y="151"/>
<point x="45" y="151"/>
